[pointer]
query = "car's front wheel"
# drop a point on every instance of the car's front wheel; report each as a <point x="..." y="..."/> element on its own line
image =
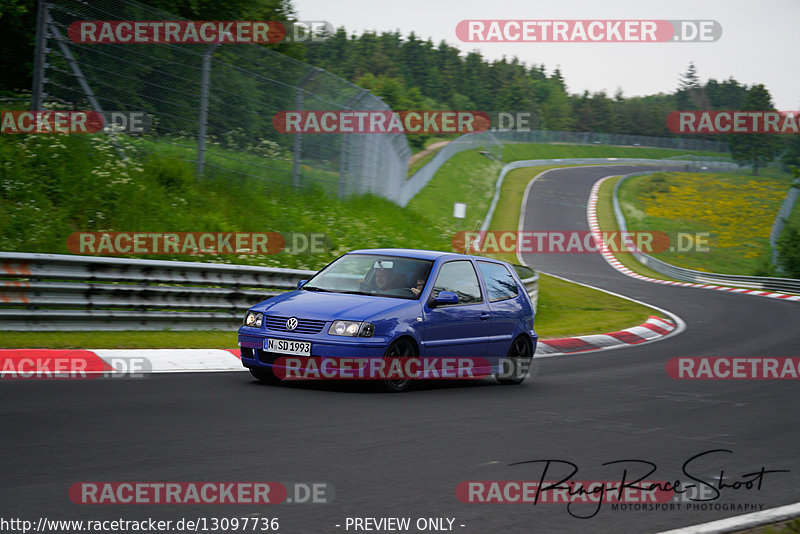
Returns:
<point x="517" y="363"/>
<point x="264" y="375"/>
<point x="401" y="349"/>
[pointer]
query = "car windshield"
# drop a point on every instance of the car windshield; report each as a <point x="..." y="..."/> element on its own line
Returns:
<point x="372" y="274"/>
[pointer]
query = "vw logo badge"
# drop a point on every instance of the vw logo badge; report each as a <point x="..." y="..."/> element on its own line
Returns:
<point x="291" y="324"/>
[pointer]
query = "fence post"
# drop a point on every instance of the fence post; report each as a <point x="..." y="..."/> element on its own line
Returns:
<point x="203" y="119"/>
<point x="297" y="151"/>
<point x="39" y="56"/>
<point x="78" y="73"/>
<point x="345" y="141"/>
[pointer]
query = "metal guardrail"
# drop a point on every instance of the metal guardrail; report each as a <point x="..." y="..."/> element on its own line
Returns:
<point x="532" y="287"/>
<point x="783" y="285"/>
<point x="63" y="292"/>
<point x="530" y="279"/>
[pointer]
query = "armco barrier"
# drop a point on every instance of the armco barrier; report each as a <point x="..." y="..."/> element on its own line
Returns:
<point x="781" y="285"/>
<point x="62" y="292"/>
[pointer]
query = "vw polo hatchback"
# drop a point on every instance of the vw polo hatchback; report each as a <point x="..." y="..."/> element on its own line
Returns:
<point x="395" y="315"/>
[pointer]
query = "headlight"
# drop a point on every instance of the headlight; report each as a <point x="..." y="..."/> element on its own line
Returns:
<point x="351" y="328"/>
<point x="253" y="319"/>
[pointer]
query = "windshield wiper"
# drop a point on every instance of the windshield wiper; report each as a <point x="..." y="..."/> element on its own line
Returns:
<point x="314" y="288"/>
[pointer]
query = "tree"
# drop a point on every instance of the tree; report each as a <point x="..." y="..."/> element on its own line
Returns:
<point x="791" y="157"/>
<point x="18" y="18"/>
<point x="789" y="251"/>
<point x="397" y="96"/>
<point x="755" y="149"/>
<point x="691" y="94"/>
<point x="727" y="95"/>
<point x="556" y="111"/>
<point x="687" y="83"/>
<point x="280" y="10"/>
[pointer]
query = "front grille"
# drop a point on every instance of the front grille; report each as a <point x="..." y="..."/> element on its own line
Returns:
<point x="304" y="326"/>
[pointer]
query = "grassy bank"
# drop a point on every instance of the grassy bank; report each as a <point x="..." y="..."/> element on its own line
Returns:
<point x="53" y="186"/>
<point x="565" y="309"/>
<point x="716" y="222"/>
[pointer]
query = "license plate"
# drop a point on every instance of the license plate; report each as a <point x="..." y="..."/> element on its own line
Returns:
<point x="287" y="346"/>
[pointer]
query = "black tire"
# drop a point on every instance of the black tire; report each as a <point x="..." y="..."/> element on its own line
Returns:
<point x="400" y="348"/>
<point x="517" y="364"/>
<point x="264" y="375"/>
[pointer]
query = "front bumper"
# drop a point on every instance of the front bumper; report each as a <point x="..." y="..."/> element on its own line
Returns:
<point x="252" y="342"/>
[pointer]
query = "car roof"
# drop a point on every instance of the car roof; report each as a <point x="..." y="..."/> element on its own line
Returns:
<point x="418" y="254"/>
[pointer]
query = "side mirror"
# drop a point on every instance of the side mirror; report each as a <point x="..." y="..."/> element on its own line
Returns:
<point x="301" y="283"/>
<point x="445" y="297"/>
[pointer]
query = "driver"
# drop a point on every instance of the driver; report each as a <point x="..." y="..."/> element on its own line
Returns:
<point x="383" y="278"/>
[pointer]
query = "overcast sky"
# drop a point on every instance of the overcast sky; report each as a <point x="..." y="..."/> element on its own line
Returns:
<point x="760" y="40"/>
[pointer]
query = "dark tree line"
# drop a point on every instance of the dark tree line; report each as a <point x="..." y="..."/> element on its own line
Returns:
<point x="409" y="72"/>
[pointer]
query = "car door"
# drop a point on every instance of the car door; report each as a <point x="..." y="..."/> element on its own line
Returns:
<point x="503" y="300"/>
<point x="458" y="330"/>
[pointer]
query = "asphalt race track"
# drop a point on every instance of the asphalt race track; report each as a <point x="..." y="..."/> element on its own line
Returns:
<point x="403" y="455"/>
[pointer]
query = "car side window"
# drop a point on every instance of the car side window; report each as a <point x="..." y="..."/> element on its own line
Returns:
<point x="460" y="278"/>
<point x="500" y="284"/>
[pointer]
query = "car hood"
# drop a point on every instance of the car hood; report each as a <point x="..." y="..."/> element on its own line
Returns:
<point x="330" y="306"/>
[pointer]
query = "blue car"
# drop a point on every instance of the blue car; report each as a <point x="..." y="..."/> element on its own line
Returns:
<point x="436" y="310"/>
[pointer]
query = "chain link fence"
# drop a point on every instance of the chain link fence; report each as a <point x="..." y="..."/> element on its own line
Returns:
<point x="598" y="138"/>
<point x="212" y="105"/>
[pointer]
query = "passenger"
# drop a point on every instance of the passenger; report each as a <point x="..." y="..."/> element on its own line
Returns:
<point x="417" y="289"/>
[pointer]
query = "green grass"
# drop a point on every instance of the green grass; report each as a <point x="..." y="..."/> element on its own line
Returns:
<point x="608" y="223"/>
<point x="78" y="182"/>
<point x="120" y="340"/>
<point x="567" y="309"/>
<point x="791" y="526"/>
<point x="514" y="152"/>
<point x="80" y="186"/>
<point x="564" y="309"/>
<point x="467" y="177"/>
<point x="732" y="213"/>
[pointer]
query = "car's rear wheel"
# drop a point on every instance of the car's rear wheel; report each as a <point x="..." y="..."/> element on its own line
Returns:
<point x="401" y="349"/>
<point x="265" y="375"/>
<point x="517" y="363"/>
